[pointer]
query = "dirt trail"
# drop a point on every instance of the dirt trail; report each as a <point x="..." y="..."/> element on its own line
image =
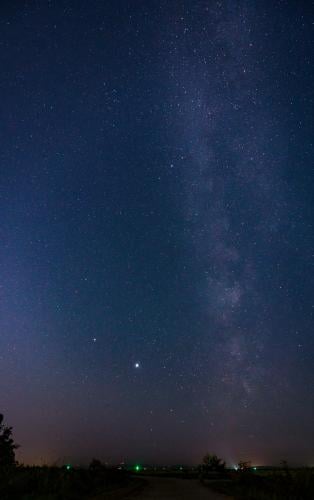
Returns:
<point x="160" y="488"/>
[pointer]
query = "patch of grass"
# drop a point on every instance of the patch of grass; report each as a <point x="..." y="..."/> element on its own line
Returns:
<point x="53" y="483"/>
<point x="295" y="485"/>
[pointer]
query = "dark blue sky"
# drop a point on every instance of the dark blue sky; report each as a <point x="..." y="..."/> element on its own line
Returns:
<point x="156" y="196"/>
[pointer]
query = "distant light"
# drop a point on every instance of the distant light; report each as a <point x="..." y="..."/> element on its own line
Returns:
<point x="254" y="468"/>
<point x="136" y="365"/>
<point x="68" y="467"/>
<point x="235" y="467"/>
<point x="94" y="339"/>
<point x="137" y="468"/>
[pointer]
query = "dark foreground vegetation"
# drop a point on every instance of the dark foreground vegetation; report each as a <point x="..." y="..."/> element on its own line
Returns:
<point x="98" y="482"/>
<point x="257" y="483"/>
<point x="18" y="482"/>
<point x="243" y="482"/>
<point x="53" y="483"/>
<point x="299" y="485"/>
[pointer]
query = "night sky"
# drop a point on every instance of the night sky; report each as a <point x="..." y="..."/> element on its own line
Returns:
<point x="156" y="201"/>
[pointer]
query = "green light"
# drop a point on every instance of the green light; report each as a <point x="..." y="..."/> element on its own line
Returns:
<point x="137" y="468"/>
<point x="255" y="468"/>
<point x="68" y="467"/>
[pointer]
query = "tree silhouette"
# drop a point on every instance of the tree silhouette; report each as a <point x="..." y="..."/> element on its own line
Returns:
<point x="213" y="463"/>
<point x="96" y="465"/>
<point x="7" y="446"/>
<point x="285" y="467"/>
<point x="244" y="466"/>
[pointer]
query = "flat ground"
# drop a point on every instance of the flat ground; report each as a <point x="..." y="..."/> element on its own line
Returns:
<point x="162" y="488"/>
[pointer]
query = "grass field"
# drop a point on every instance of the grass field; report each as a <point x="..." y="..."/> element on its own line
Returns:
<point x="61" y="483"/>
<point x="293" y="484"/>
<point x="53" y="483"/>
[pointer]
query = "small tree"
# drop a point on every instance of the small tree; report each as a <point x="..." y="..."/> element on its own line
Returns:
<point x="7" y="446"/>
<point x="95" y="465"/>
<point x="244" y="466"/>
<point x="213" y="463"/>
<point x="285" y="467"/>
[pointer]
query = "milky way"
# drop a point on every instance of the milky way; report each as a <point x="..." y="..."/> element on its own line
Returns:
<point x="156" y="225"/>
